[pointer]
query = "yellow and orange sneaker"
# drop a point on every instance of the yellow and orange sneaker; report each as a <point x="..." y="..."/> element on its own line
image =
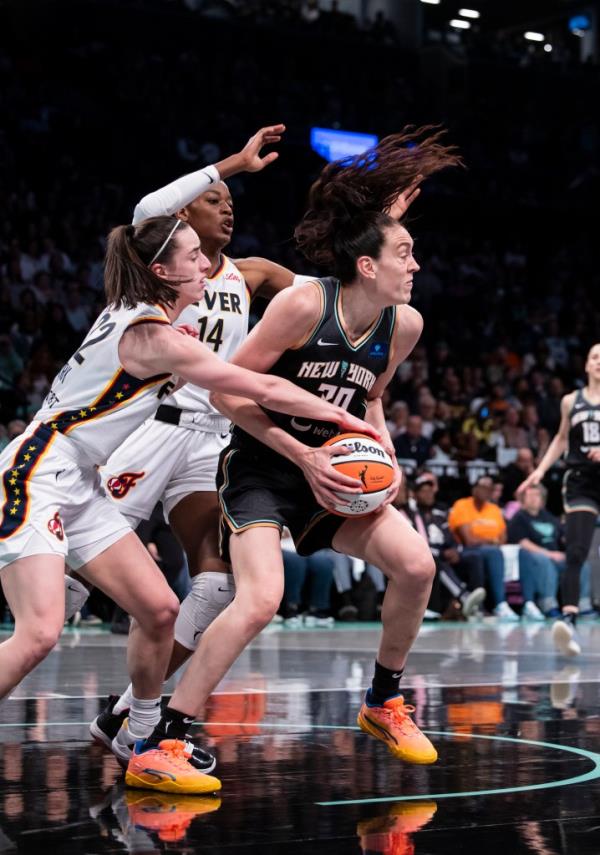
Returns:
<point x="167" y="768"/>
<point x="392" y="724"/>
<point x="392" y="834"/>
<point x="166" y="814"/>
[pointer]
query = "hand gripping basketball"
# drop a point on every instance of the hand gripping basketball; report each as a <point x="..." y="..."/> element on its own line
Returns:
<point x="367" y="462"/>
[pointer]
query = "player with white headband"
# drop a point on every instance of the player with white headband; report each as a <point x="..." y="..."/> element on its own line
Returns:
<point x="173" y="457"/>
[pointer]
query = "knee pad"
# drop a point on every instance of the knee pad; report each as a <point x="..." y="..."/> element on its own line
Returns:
<point x="210" y="594"/>
<point x="76" y="595"/>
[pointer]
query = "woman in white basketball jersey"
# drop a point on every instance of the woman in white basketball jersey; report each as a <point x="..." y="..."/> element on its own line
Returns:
<point x="54" y="509"/>
<point x="173" y="457"/>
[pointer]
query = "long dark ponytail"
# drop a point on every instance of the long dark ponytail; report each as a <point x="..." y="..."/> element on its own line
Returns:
<point x="128" y="279"/>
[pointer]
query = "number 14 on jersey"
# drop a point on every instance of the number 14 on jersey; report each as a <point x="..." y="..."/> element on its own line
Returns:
<point x="214" y="336"/>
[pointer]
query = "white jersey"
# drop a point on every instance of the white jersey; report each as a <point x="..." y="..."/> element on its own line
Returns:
<point x="222" y="321"/>
<point x="93" y="400"/>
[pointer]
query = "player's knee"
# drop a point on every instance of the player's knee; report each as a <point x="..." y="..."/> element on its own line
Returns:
<point x="38" y="641"/>
<point x="418" y="569"/>
<point x="422" y="568"/>
<point x="262" y="610"/>
<point x="162" y="619"/>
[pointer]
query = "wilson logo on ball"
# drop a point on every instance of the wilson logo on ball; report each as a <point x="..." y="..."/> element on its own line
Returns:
<point x="360" y="447"/>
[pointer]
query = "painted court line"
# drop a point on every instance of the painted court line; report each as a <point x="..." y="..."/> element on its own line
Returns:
<point x="591" y="775"/>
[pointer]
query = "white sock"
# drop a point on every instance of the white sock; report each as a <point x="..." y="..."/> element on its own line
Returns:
<point x="124" y="701"/>
<point x="144" y="715"/>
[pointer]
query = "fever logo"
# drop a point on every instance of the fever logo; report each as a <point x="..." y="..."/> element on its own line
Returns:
<point x="55" y="527"/>
<point x="120" y="485"/>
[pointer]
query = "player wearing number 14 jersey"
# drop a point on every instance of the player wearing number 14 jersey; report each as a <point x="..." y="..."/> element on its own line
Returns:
<point x="578" y="438"/>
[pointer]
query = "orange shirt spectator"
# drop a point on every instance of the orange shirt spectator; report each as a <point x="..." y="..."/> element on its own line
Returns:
<point x="476" y="521"/>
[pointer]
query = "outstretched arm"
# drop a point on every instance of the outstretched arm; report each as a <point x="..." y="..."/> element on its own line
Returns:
<point x="555" y="450"/>
<point x="181" y="192"/>
<point x="151" y="349"/>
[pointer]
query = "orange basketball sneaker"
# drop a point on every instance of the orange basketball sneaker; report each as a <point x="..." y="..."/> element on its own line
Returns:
<point x="391" y="834"/>
<point x="166" y="768"/>
<point x="392" y="724"/>
<point x="167" y="815"/>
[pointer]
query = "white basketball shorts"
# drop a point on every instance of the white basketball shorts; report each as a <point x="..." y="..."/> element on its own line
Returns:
<point x="162" y="462"/>
<point x="53" y="501"/>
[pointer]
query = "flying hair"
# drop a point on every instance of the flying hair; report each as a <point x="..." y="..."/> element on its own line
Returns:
<point x="355" y="194"/>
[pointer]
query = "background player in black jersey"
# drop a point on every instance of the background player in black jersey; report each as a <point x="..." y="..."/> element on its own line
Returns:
<point x="578" y="436"/>
<point x="350" y="331"/>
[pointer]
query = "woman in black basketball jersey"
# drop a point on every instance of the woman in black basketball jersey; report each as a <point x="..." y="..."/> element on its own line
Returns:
<point x="343" y="337"/>
<point x="579" y="437"/>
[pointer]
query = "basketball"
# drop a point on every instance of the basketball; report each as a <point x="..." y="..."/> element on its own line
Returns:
<point x="371" y="464"/>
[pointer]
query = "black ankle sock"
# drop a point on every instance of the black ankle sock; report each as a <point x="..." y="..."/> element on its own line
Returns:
<point x="172" y="725"/>
<point x="386" y="684"/>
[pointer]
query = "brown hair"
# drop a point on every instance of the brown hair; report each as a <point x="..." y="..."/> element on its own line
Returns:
<point x="346" y="215"/>
<point x="128" y="279"/>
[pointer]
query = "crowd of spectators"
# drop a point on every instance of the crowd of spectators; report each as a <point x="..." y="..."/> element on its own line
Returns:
<point x="98" y="116"/>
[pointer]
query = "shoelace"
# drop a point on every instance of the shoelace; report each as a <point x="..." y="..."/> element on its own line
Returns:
<point x="401" y="713"/>
<point x="177" y="752"/>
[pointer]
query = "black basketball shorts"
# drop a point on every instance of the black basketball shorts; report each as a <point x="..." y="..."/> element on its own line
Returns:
<point x="259" y="490"/>
<point x="581" y="489"/>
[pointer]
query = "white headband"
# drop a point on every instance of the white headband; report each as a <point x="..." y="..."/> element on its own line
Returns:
<point x="167" y="239"/>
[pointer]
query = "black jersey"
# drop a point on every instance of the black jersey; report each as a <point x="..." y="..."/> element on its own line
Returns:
<point x="330" y="366"/>
<point x="584" y="431"/>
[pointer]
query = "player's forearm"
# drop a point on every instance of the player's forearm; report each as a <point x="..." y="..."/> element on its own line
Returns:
<point x="282" y="396"/>
<point x="173" y="197"/>
<point x="254" y="421"/>
<point x="555" y="451"/>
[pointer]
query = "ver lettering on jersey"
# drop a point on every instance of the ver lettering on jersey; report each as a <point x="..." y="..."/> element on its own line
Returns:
<point x="228" y="302"/>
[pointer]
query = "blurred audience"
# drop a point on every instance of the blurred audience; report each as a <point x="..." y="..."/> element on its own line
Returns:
<point x="508" y="320"/>
<point x="542" y="558"/>
<point x="477" y="523"/>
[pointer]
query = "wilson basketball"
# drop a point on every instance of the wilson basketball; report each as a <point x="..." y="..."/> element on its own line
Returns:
<point x="370" y="464"/>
